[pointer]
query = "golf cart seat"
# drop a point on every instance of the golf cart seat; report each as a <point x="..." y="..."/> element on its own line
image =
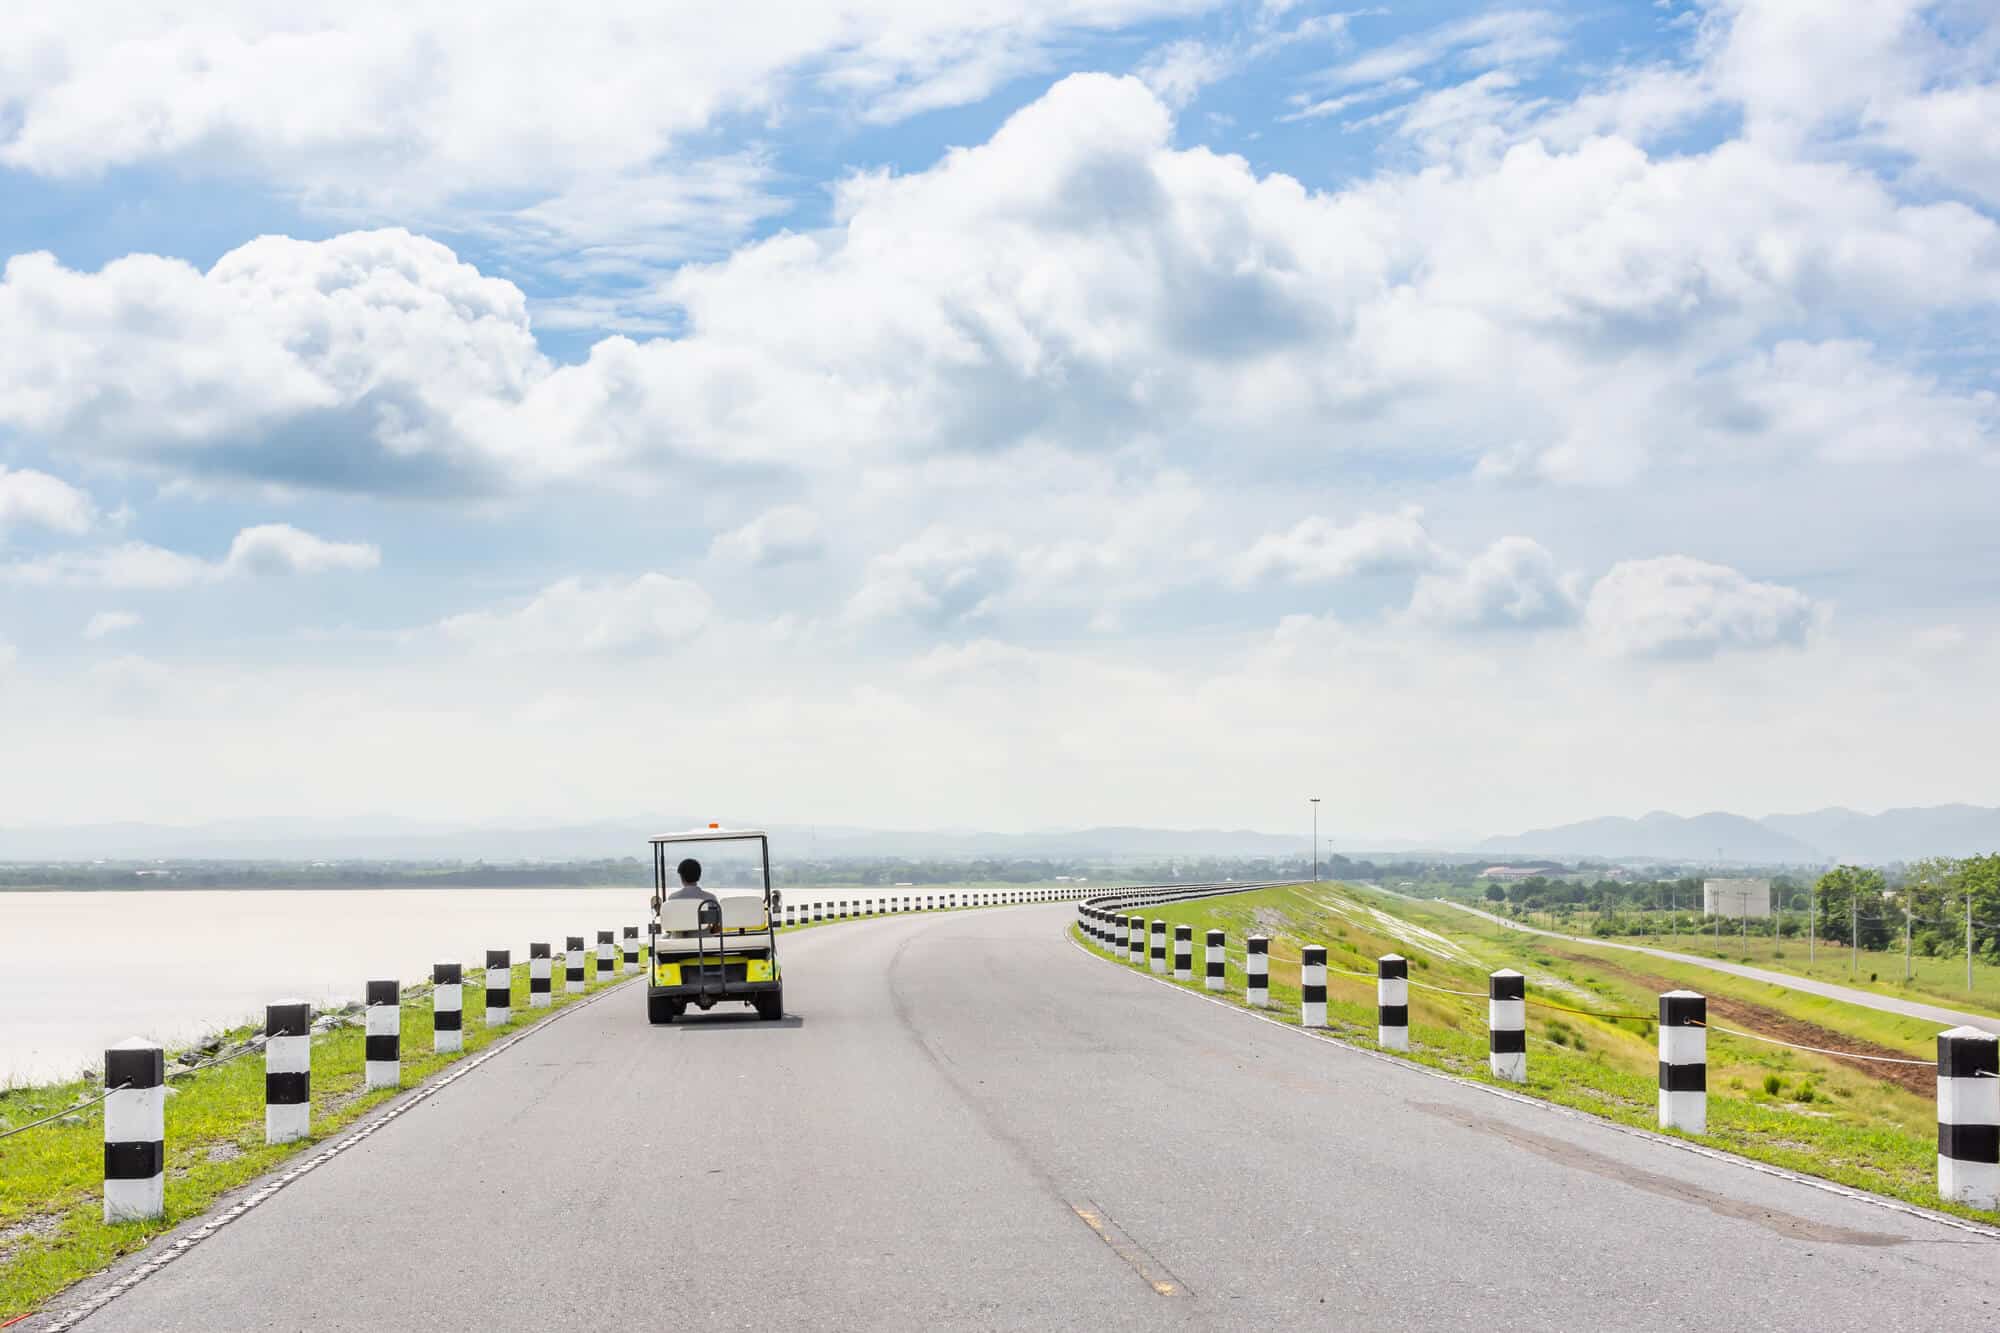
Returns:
<point x="740" y="911"/>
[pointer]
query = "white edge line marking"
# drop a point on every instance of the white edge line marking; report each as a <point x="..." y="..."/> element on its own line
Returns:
<point x="415" y="1097"/>
<point x="1633" y="1131"/>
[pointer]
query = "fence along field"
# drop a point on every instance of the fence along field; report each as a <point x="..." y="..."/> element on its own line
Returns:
<point x="1864" y="1110"/>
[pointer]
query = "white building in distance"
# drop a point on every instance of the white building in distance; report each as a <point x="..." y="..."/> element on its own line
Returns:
<point x="1736" y="898"/>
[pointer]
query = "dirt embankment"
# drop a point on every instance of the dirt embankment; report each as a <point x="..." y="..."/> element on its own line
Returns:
<point x="1765" y="1022"/>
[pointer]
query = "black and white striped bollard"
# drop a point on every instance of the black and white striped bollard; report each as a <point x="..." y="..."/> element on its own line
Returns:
<point x="607" y="953"/>
<point x="1507" y="1025"/>
<point x="447" y="1007"/>
<point x="1312" y="986"/>
<point x="383" y="1064"/>
<point x="499" y="988"/>
<point x="1135" y="940"/>
<point x="1183" y="953"/>
<point x="541" y="969"/>
<point x="630" y="963"/>
<point x="287" y="1071"/>
<point x="1968" y="1104"/>
<point x="1257" y="971"/>
<point x="135" y="1131"/>
<point x="573" y="964"/>
<point x="1392" y="1002"/>
<point x="1218" y="975"/>
<point x="1158" y="954"/>
<point x="1684" y="1061"/>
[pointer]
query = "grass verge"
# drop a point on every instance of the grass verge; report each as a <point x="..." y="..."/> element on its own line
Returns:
<point x="1836" y="1120"/>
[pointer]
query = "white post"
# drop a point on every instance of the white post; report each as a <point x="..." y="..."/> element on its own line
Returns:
<point x="1507" y="1025"/>
<point x="135" y="1131"/>
<point x="1312" y="986"/>
<point x="573" y="964"/>
<point x="630" y="963"/>
<point x="540" y="977"/>
<point x="1218" y="977"/>
<point x="1392" y="1002"/>
<point x="287" y="1071"/>
<point x="1158" y="960"/>
<point x="1183" y="953"/>
<point x="1257" y="971"/>
<point x="447" y="1007"/>
<point x="499" y="987"/>
<point x="607" y="953"/>
<point x="1135" y="939"/>
<point x="1968" y="1108"/>
<point x="1684" y="1061"/>
<point x="383" y="1063"/>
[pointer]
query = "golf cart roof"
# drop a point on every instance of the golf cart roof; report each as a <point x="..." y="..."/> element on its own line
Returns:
<point x="711" y="834"/>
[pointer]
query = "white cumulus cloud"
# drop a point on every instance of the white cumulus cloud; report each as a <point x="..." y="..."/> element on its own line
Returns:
<point x="106" y="623"/>
<point x="1677" y="607"/>
<point x="1318" y="550"/>
<point x="1512" y="584"/>
<point x="940" y="578"/>
<point x="647" y="614"/>
<point x="280" y="548"/>
<point x="37" y="499"/>
<point x="789" y="532"/>
<point x="270" y="549"/>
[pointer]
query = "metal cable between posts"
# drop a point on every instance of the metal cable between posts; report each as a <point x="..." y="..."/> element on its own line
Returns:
<point x="1587" y="1013"/>
<point x="67" y="1110"/>
<point x="171" y="1074"/>
<point x="1816" y="1050"/>
<point x="1468" y="994"/>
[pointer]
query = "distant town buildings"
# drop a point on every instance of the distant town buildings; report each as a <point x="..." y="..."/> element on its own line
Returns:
<point x="1736" y="898"/>
<point x="1512" y="872"/>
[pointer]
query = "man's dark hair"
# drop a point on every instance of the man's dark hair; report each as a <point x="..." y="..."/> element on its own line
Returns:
<point x="690" y="871"/>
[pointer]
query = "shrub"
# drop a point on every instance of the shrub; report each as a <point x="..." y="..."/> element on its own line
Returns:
<point x="1805" y="1093"/>
<point x="1773" y="1085"/>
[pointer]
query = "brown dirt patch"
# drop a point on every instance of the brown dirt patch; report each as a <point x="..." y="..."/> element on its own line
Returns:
<point x="1920" y="1079"/>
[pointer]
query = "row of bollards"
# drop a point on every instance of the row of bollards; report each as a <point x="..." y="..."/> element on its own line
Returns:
<point x="1968" y="1059"/>
<point x="135" y="1070"/>
<point x="800" y="914"/>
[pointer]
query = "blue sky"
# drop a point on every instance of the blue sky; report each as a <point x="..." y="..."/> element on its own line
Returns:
<point x="1068" y="411"/>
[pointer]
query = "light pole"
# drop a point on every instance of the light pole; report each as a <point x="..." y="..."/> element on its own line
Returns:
<point x="1315" y="806"/>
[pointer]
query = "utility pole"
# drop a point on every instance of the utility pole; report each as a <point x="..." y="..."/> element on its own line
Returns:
<point x="1315" y="806"/>
<point x="1854" y="932"/>
<point x="1743" y="916"/>
<point x="1812" y="924"/>
<point x="1968" y="940"/>
<point x="1906" y="935"/>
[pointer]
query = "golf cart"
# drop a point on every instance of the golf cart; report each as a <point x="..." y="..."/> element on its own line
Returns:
<point x="723" y="950"/>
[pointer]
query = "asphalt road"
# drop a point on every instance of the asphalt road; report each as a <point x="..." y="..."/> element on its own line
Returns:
<point x="968" y="1122"/>
<point x="1888" y="1004"/>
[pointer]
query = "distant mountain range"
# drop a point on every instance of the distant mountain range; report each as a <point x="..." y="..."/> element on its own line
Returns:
<point x="1814" y="838"/>
<point x="400" y="840"/>
<point x="1803" y="839"/>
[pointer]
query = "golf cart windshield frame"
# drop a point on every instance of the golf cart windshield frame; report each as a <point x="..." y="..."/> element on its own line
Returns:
<point x="717" y="986"/>
<point x="661" y="869"/>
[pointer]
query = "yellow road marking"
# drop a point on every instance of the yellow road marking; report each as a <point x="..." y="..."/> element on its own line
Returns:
<point x="1145" y="1265"/>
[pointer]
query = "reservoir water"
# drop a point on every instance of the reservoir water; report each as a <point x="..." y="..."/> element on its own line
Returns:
<point x="84" y="970"/>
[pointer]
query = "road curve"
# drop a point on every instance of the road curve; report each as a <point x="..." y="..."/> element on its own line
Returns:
<point x="969" y="1122"/>
<point x="1888" y="1004"/>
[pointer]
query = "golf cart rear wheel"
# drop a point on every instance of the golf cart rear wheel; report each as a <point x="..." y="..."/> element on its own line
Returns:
<point x="771" y="1005"/>
<point x="664" y="1008"/>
